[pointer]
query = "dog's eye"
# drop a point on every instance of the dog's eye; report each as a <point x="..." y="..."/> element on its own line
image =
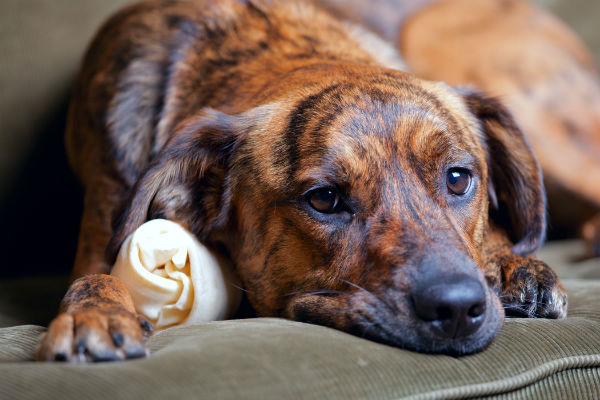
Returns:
<point x="324" y="200"/>
<point x="458" y="181"/>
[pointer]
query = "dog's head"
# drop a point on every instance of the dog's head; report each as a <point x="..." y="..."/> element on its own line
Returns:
<point x="360" y="202"/>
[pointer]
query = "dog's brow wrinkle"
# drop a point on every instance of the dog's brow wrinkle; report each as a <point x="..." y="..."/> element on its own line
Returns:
<point x="299" y="118"/>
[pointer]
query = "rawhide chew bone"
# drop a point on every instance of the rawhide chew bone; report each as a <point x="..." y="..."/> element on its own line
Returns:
<point x="173" y="278"/>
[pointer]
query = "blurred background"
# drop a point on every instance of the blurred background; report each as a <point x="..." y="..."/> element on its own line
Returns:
<point x="41" y="44"/>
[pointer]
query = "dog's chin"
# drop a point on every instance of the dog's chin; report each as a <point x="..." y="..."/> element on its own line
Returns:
<point x="401" y="329"/>
<point x="423" y="341"/>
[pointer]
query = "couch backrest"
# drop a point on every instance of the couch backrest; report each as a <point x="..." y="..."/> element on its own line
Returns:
<point x="41" y="44"/>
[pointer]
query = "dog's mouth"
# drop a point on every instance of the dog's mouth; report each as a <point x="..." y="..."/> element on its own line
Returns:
<point x="392" y="318"/>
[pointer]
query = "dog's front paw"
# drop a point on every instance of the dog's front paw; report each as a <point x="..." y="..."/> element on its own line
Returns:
<point x="93" y="335"/>
<point x="530" y="288"/>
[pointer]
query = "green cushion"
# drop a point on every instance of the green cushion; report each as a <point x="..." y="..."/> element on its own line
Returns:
<point x="273" y="358"/>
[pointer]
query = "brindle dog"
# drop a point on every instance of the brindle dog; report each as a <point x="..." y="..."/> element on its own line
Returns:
<point x="346" y="192"/>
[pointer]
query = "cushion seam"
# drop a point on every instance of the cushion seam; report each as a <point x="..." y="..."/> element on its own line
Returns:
<point x="526" y="378"/>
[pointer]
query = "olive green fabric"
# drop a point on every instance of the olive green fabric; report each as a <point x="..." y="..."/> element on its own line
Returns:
<point x="41" y="43"/>
<point x="566" y="259"/>
<point x="271" y="358"/>
<point x="580" y="383"/>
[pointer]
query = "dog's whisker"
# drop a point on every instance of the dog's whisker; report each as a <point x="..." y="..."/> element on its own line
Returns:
<point x="513" y="307"/>
<point x="322" y="292"/>
<point x="358" y="287"/>
<point x="542" y="303"/>
<point x="240" y="288"/>
<point x="381" y="301"/>
<point x="315" y="292"/>
<point x="524" y="310"/>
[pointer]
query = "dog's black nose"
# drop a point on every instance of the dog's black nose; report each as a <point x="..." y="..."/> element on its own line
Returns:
<point x="454" y="307"/>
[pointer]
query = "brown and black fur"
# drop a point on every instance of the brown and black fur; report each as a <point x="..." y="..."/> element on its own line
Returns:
<point x="534" y="62"/>
<point x="224" y="115"/>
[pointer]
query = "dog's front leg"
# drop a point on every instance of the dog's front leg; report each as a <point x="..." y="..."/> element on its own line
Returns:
<point x="527" y="286"/>
<point x="98" y="322"/>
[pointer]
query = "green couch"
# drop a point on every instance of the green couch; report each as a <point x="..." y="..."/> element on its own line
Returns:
<point x="41" y="43"/>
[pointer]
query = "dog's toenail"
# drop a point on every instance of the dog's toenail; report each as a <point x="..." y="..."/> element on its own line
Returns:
<point x="146" y="326"/>
<point x="118" y="339"/>
<point x="136" y="352"/>
<point x="103" y="356"/>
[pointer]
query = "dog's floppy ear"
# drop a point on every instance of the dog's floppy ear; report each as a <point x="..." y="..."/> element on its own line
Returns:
<point x="188" y="180"/>
<point x="515" y="187"/>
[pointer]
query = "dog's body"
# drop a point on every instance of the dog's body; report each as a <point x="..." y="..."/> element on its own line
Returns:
<point x="346" y="192"/>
